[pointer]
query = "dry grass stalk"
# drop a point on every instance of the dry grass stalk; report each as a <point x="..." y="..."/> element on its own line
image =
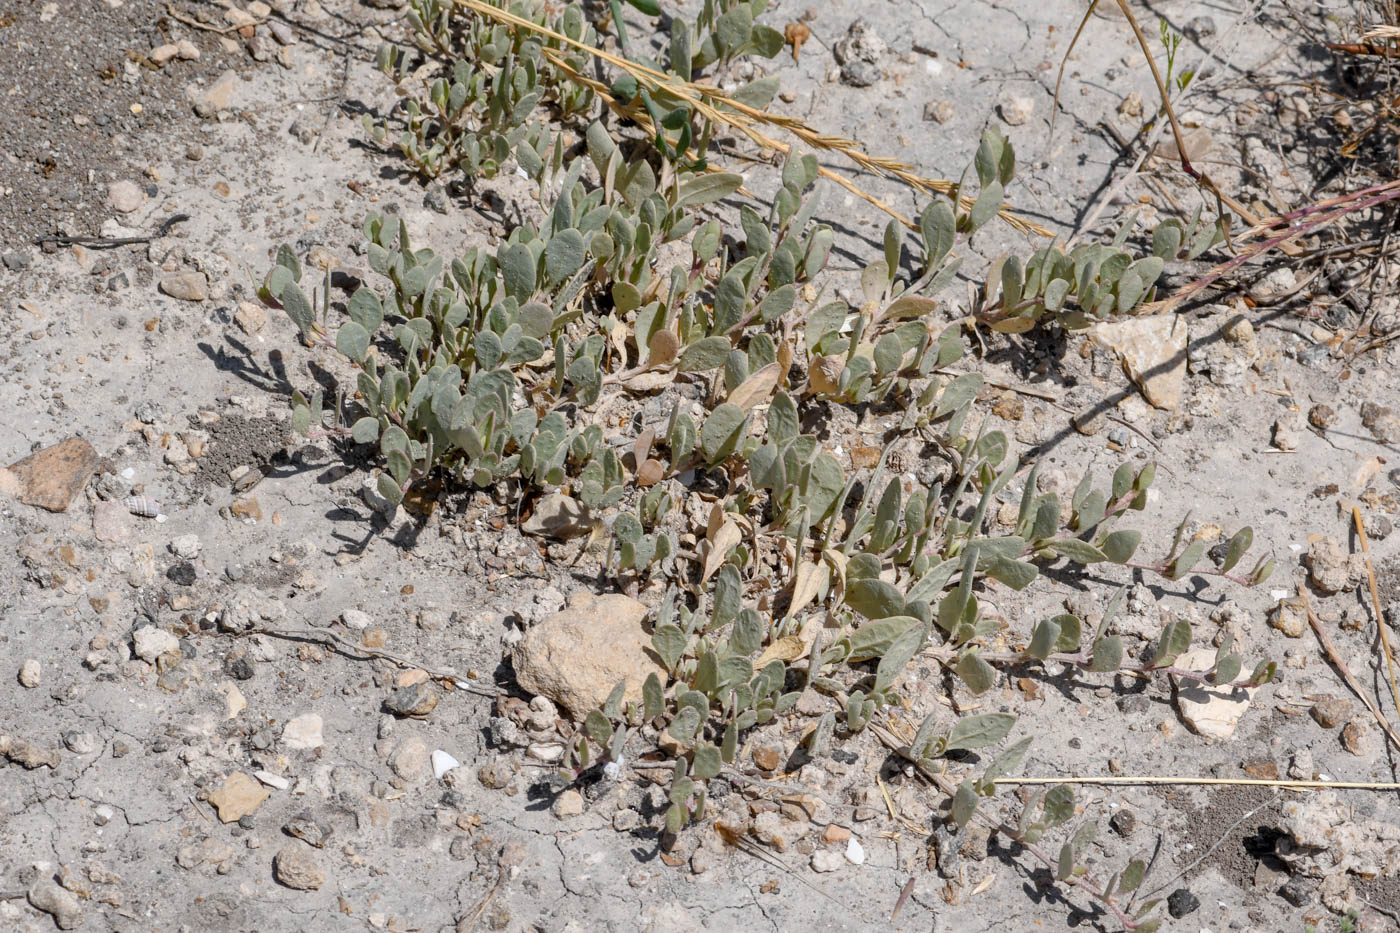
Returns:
<point x="1295" y="224"/>
<point x="718" y="107"/>
<point x="1376" y="605"/>
<point x="1345" y="671"/>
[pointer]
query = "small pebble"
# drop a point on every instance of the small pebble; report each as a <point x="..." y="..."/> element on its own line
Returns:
<point x="1297" y="891"/>
<point x="567" y="804"/>
<point x="52" y="898"/>
<point x="81" y="743"/>
<point x="1356" y="738"/>
<point x="494" y="775"/>
<point x="767" y="757"/>
<point x="1330" y="711"/>
<point x="125" y="196"/>
<point x="308" y="829"/>
<point x="1322" y="416"/>
<point x="151" y="642"/>
<point x="416" y="700"/>
<point x="272" y="780"/>
<point x="304" y="731"/>
<point x="186" y="547"/>
<point x="1182" y="902"/>
<point x="295" y="868"/>
<point x="29" y="675"/>
<point x="1016" y="109"/>
<point x="939" y="110"/>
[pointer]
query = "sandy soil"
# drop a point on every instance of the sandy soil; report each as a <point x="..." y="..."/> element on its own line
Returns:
<point x="185" y="401"/>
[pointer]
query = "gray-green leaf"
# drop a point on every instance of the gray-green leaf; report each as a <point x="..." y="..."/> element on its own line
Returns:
<point x="979" y="731"/>
<point x="703" y="355"/>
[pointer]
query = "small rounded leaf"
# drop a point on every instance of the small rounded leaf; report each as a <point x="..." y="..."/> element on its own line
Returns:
<point x="365" y="431"/>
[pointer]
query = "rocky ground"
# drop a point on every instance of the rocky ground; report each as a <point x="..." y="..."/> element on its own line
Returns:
<point x="226" y="704"/>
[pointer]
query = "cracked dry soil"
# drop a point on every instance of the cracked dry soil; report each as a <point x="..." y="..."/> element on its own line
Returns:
<point x="120" y="804"/>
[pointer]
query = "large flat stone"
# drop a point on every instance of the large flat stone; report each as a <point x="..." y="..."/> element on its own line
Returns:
<point x="576" y="656"/>
<point x="53" y="477"/>
<point x="1153" y="351"/>
<point x="1213" y="712"/>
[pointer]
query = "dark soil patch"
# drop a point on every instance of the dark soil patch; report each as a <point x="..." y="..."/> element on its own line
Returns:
<point x="69" y="126"/>
<point x="1245" y="841"/>
<point x="236" y="440"/>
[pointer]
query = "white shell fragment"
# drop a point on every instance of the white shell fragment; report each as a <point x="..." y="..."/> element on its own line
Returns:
<point x="272" y="780"/>
<point x="443" y="763"/>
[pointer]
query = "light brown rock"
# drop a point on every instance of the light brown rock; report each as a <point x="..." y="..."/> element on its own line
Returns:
<point x="576" y="656"/>
<point x="234" y="701"/>
<point x="1382" y="421"/>
<point x="249" y="317"/>
<point x="246" y="509"/>
<point x="1330" y="712"/>
<point x="1209" y="711"/>
<point x="1290" y="618"/>
<point x="30" y="674"/>
<point x="111" y="522"/>
<point x="218" y="96"/>
<point x="416" y="700"/>
<point x="187" y="286"/>
<point x="52" y="898"/>
<point x="1330" y="568"/>
<point x="1153" y="351"/>
<point x="296" y="868"/>
<point x="567" y="804"/>
<point x="239" y="796"/>
<point x="53" y="477"/>
<point x="411" y="760"/>
<point x="1356" y="738"/>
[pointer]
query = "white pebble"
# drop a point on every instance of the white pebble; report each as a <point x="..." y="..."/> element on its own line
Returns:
<point x="186" y="546"/>
<point x="272" y="780"/>
<point x="443" y="763"/>
<point x="855" y="853"/>
<point x="151" y="642"/>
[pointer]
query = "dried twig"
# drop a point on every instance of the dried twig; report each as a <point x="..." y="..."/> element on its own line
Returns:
<point x="486" y="901"/>
<point x="1295" y="224"/>
<point x="1376" y="605"/>
<point x="1157" y="779"/>
<point x="105" y="242"/>
<point x="328" y="637"/>
<point x="1345" y="671"/>
<point x="903" y="896"/>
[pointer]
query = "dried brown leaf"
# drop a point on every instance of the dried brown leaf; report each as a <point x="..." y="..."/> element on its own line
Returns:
<point x="758" y="388"/>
